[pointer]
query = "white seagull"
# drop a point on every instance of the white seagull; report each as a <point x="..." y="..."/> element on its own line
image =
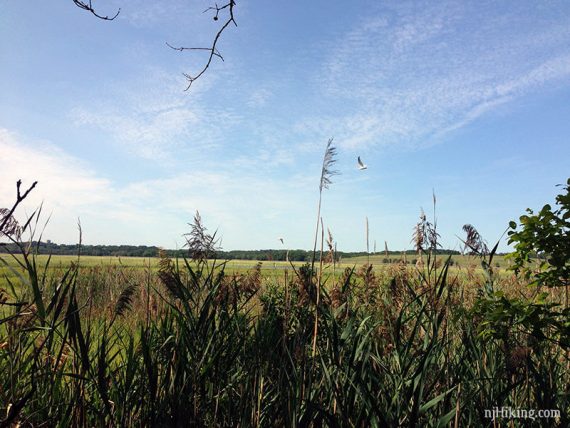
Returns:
<point x="361" y="165"/>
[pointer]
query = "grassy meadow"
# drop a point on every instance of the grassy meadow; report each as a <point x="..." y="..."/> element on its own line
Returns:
<point x="10" y="267"/>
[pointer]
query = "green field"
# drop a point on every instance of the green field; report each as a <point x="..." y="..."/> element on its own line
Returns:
<point x="9" y="268"/>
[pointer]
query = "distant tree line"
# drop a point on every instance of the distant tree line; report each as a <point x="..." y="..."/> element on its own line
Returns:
<point x="152" y="251"/>
<point x="87" y="250"/>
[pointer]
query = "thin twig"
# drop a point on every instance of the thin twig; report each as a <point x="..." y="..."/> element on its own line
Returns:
<point x="181" y="49"/>
<point x="89" y="8"/>
<point x="214" y="52"/>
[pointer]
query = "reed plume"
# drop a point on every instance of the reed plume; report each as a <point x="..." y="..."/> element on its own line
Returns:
<point x="201" y="245"/>
<point x="125" y="300"/>
<point x="474" y="241"/>
<point x="425" y="236"/>
<point x="10" y="226"/>
<point x="327" y="172"/>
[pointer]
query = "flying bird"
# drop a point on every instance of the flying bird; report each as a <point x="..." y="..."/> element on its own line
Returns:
<point x="281" y="239"/>
<point x="361" y="165"/>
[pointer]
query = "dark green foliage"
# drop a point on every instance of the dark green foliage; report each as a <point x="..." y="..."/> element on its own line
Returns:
<point x="544" y="237"/>
<point x="542" y="255"/>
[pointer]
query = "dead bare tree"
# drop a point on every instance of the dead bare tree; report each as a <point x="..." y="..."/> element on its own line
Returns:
<point x="226" y="10"/>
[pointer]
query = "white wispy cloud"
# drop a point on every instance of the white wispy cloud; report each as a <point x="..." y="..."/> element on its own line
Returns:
<point x="154" y="118"/>
<point x="151" y="136"/>
<point x="64" y="180"/>
<point x="67" y="188"/>
<point x="145" y="14"/>
<point x="169" y="16"/>
<point x="150" y="211"/>
<point x="412" y="73"/>
<point x="259" y="97"/>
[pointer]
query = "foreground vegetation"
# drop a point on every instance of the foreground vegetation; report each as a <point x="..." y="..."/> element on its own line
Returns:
<point x="190" y="343"/>
<point x="202" y="347"/>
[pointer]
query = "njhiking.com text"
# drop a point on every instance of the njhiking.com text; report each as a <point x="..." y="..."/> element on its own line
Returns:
<point x="510" y="413"/>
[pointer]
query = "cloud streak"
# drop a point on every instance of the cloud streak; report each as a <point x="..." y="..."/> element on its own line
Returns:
<point x="413" y="73"/>
<point x="154" y="119"/>
<point x="63" y="180"/>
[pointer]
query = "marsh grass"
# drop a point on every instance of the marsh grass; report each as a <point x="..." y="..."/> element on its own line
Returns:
<point x="399" y="348"/>
<point x="189" y="342"/>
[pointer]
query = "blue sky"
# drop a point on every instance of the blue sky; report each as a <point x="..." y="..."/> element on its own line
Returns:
<point x="468" y="98"/>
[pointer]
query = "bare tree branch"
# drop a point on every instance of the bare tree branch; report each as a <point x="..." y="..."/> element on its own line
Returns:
<point x="89" y="7"/>
<point x="181" y="49"/>
<point x="6" y="218"/>
<point x="213" y="49"/>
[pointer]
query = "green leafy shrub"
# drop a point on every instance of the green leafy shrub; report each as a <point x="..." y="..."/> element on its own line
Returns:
<point x="546" y="237"/>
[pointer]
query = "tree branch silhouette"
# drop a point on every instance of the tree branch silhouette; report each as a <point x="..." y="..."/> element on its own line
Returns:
<point x="6" y="218"/>
<point x="213" y="50"/>
<point x="88" y="6"/>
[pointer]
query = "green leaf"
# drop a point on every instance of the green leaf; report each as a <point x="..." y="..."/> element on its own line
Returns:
<point x="435" y="400"/>
<point x="445" y="419"/>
